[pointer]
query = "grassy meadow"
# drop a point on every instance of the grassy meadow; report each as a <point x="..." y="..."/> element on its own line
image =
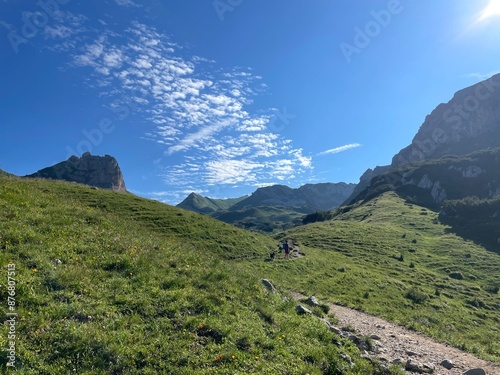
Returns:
<point x="109" y="283"/>
<point x="395" y="260"/>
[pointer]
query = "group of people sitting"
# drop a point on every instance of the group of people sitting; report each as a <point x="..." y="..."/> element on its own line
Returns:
<point x="285" y="246"/>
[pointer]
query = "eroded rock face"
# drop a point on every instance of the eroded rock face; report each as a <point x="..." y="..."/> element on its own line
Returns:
<point x="470" y="121"/>
<point x="98" y="171"/>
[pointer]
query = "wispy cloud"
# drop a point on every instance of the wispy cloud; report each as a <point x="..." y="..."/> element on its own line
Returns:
<point x="196" y="111"/>
<point x="127" y="3"/>
<point x="482" y="76"/>
<point x="336" y="150"/>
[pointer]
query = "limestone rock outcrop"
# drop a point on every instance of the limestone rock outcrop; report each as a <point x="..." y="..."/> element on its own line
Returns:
<point x="98" y="171"/>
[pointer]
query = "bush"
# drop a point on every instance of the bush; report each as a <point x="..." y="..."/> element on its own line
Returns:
<point x="456" y="275"/>
<point x="416" y="295"/>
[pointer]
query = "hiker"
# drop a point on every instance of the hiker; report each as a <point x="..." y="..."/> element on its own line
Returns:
<point x="286" y="248"/>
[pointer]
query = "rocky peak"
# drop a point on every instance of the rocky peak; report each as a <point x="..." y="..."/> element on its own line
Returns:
<point x="99" y="171"/>
<point x="469" y="122"/>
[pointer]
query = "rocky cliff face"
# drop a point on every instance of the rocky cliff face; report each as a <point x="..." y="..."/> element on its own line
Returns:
<point x="469" y="122"/>
<point x="99" y="171"/>
<point x="431" y="182"/>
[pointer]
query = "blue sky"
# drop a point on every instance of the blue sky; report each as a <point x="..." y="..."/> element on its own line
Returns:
<point x="221" y="97"/>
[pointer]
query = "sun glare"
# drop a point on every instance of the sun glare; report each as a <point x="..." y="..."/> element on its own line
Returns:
<point x="491" y="10"/>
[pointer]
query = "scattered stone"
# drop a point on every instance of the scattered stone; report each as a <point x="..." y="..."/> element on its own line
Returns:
<point x="336" y="342"/>
<point x="375" y="337"/>
<point x="58" y="261"/>
<point x="346" y="358"/>
<point x="269" y="285"/>
<point x="302" y="310"/>
<point x="475" y="371"/>
<point x="412" y="353"/>
<point x="332" y="328"/>
<point x="419" y="367"/>
<point x="312" y="301"/>
<point x="448" y="364"/>
<point x="380" y="326"/>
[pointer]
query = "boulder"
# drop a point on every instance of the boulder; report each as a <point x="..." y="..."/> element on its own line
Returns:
<point x="302" y="310"/>
<point x="448" y="364"/>
<point x="269" y="285"/>
<point x="475" y="371"/>
<point x="312" y="301"/>
<point x="420" y="368"/>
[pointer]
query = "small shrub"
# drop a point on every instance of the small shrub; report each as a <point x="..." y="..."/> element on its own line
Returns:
<point x="324" y="307"/>
<point x="318" y="312"/>
<point x="416" y="295"/>
<point x="493" y="289"/>
<point x="456" y="275"/>
<point x="476" y="302"/>
<point x="412" y="265"/>
<point x="243" y="343"/>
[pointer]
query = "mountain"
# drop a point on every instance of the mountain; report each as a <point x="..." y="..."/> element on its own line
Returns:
<point x="271" y="207"/>
<point x="465" y="190"/>
<point x="469" y="122"/>
<point x="205" y="205"/>
<point x="98" y="171"/>
<point x="309" y="197"/>
<point x="431" y="182"/>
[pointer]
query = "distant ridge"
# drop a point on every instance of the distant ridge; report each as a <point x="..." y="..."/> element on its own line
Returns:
<point x="271" y="207"/>
<point x="98" y="171"/>
<point x="205" y="205"/>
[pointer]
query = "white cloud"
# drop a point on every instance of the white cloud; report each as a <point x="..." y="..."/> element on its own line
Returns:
<point x="58" y="31"/>
<point x="198" y="113"/>
<point x="127" y="3"/>
<point x="231" y="171"/>
<point x="336" y="150"/>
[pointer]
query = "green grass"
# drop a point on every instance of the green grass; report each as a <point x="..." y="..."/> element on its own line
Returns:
<point x="395" y="260"/>
<point x="112" y="283"/>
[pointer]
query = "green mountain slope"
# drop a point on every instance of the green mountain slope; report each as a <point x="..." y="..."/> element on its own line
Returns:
<point x="110" y="283"/>
<point x="394" y="259"/>
<point x="464" y="189"/>
<point x="271" y="208"/>
<point x="204" y="205"/>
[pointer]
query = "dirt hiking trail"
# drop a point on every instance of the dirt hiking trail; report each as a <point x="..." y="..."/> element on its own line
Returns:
<point x="395" y="343"/>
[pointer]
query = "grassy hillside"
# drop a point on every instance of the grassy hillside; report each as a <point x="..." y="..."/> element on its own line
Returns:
<point x="396" y="260"/>
<point x="477" y="219"/>
<point x="264" y="219"/>
<point x="476" y="174"/>
<point x="111" y="283"/>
